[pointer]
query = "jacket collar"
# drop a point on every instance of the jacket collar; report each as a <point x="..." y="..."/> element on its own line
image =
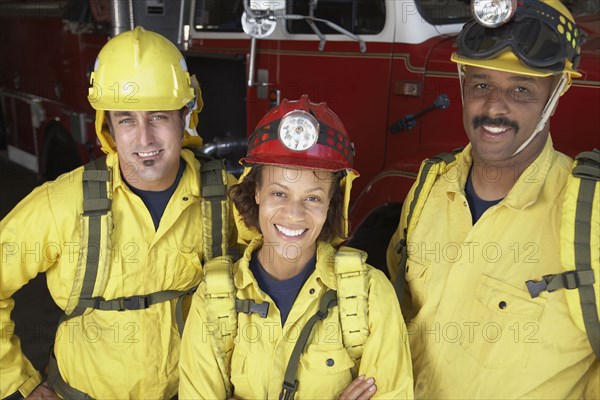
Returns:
<point x="324" y="270"/>
<point x="523" y="193"/>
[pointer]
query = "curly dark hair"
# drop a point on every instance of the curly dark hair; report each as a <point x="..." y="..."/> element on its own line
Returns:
<point x="243" y="196"/>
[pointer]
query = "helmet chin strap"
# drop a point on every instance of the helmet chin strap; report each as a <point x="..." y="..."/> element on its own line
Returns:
<point x="461" y="77"/>
<point x="546" y="113"/>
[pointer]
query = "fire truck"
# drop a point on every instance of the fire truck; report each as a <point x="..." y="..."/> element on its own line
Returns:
<point x="382" y="65"/>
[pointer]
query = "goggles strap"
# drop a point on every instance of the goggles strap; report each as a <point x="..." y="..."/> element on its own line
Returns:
<point x="546" y="113"/>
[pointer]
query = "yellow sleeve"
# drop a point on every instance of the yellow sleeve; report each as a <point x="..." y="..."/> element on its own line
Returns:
<point x="386" y="355"/>
<point x="199" y="376"/>
<point x="24" y="232"/>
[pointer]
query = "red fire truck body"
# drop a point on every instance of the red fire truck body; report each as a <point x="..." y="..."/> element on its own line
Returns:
<point x="405" y="67"/>
<point x="46" y="118"/>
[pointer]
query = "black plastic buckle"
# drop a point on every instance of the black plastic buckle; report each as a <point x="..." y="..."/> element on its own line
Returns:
<point x="261" y="309"/>
<point x="323" y="314"/>
<point x="249" y="306"/>
<point x="288" y="390"/>
<point x="133" y="303"/>
<point x="535" y="287"/>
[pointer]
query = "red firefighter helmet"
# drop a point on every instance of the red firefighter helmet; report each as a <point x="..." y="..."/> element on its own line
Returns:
<point x="303" y="134"/>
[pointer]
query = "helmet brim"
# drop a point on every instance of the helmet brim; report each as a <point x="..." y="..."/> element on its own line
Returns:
<point x="310" y="163"/>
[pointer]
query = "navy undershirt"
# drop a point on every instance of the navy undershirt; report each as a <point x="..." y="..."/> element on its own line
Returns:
<point x="156" y="202"/>
<point x="477" y="205"/>
<point x="284" y="292"/>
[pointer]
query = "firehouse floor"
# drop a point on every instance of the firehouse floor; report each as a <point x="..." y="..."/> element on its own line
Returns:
<point x="35" y="313"/>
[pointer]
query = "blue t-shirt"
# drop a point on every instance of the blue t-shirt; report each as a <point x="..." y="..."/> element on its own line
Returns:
<point x="477" y="205"/>
<point x="156" y="202"/>
<point x="284" y="292"/>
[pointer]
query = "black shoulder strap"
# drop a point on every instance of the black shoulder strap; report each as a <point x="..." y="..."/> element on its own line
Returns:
<point x="219" y="289"/>
<point x="424" y="184"/>
<point x="215" y="208"/>
<point x="95" y="204"/>
<point x="290" y="383"/>
<point x="587" y="169"/>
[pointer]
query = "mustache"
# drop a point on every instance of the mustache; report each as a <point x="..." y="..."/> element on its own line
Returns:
<point x="498" y="121"/>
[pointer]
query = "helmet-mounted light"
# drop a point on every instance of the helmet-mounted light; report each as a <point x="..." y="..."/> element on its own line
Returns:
<point x="298" y="130"/>
<point x="493" y="13"/>
<point x="539" y="35"/>
<point x="303" y="134"/>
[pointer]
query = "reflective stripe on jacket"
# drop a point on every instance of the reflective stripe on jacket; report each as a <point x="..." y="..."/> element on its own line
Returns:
<point x="476" y="332"/>
<point x="263" y="348"/>
<point x="107" y="354"/>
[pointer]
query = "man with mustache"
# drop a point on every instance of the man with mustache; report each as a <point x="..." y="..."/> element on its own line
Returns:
<point x="122" y="240"/>
<point x="490" y="222"/>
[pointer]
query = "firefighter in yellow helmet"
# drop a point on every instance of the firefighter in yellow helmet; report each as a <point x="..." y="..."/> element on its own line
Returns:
<point x="120" y="241"/>
<point x="489" y="221"/>
<point x="309" y="320"/>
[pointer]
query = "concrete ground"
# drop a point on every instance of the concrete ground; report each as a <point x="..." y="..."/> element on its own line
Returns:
<point x="35" y="313"/>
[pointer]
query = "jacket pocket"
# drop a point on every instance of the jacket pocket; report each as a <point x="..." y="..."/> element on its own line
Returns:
<point x="185" y="270"/>
<point x="324" y="372"/>
<point x="503" y="324"/>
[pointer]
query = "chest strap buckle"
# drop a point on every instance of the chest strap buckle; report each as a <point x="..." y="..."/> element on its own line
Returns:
<point x="248" y="306"/>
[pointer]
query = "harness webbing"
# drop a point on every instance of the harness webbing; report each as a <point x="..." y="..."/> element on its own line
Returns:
<point x="353" y="298"/>
<point x="290" y="383"/>
<point x="96" y="204"/>
<point x="58" y="384"/>
<point x="215" y="209"/>
<point x="223" y="308"/>
<point x="219" y="293"/>
<point x="590" y="175"/>
<point x="430" y="169"/>
<point x="582" y="277"/>
<point x="219" y="290"/>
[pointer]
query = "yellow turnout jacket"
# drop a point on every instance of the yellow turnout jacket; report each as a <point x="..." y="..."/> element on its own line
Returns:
<point x="107" y="354"/>
<point x="263" y="347"/>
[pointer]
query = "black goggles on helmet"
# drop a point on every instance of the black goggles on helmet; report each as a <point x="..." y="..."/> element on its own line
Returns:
<point x="540" y="36"/>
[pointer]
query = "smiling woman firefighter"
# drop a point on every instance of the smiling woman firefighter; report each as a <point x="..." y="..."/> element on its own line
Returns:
<point x="296" y="317"/>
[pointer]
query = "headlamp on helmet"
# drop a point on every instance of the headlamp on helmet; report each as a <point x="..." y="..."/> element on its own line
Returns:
<point x="298" y="130"/>
<point x="543" y="37"/>
<point x="302" y="134"/>
<point x="526" y="37"/>
<point x="493" y="13"/>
